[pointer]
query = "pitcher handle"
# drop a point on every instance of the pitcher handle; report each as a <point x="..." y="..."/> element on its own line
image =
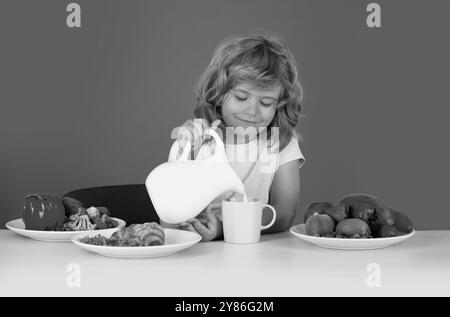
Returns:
<point x="174" y="150"/>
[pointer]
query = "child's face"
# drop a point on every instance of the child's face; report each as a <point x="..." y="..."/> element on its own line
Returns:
<point x="246" y="106"/>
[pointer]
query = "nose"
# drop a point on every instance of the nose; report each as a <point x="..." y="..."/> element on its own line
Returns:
<point x="252" y="109"/>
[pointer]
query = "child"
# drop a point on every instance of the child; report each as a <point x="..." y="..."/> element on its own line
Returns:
<point x="251" y="91"/>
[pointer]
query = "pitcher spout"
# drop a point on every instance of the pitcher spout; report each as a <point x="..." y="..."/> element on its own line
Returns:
<point x="236" y="185"/>
<point x="239" y="188"/>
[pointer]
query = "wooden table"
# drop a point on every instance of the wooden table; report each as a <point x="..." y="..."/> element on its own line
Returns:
<point x="280" y="265"/>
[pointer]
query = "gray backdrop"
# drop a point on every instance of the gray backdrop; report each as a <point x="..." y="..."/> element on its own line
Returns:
<point x="95" y="106"/>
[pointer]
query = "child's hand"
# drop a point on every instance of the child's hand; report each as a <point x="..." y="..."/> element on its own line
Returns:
<point x="194" y="130"/>
<point x="206" y="224"/>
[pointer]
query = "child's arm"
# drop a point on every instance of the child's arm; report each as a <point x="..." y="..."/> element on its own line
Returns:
<point x="284" y="195"/>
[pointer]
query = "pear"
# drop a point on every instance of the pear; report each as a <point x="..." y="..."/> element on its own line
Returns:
<point x="316" y="206"/>
<point x="402" y="222"/>
<point x="319" y="225"/>
<point x="353" y="228"/>
<point x="387" y="231"/>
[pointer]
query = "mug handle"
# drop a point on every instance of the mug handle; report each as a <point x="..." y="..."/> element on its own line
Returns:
<point x="273" y="219"/>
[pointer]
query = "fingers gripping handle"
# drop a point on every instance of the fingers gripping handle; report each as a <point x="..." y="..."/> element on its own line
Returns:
<point x="174" y="150"/>
<point x="219" y="149"/>
<point x="219" y="152"/>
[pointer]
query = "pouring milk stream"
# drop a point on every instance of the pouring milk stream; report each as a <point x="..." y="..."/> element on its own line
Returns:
<point x="182" y="189"/>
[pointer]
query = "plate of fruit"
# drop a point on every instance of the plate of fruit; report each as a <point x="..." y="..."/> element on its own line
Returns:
<point x="356" y="222"/>
<point x="58" y="219"/>
<point x="147" y="240"/>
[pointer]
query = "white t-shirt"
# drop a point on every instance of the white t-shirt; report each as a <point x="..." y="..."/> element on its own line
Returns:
<point x="256" y="166"/>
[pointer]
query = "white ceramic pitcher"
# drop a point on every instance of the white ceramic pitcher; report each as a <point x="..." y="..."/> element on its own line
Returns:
<point x="182" y="189"/>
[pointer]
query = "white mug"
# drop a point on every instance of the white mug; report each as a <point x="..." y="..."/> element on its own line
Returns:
<point x="242" y="221"/>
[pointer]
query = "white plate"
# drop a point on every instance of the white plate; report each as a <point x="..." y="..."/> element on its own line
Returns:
<point x="175" y="241"/>
<point x="18" y="226"/>
<point x="348" y="244"/>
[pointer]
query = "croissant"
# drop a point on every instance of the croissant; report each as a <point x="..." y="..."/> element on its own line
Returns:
<point x="147" y="234"/>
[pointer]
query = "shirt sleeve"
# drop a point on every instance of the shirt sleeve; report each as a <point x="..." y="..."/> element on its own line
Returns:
<point x="290" y="153"/>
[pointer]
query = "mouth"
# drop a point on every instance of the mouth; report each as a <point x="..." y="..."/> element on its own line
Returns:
<point x="247" y="121"/>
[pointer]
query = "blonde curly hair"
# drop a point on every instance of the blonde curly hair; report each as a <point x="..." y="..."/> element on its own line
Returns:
<point x="264" y="61"/>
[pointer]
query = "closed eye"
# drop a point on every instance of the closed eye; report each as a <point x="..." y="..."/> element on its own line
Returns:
<point x="245" y="98"/>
